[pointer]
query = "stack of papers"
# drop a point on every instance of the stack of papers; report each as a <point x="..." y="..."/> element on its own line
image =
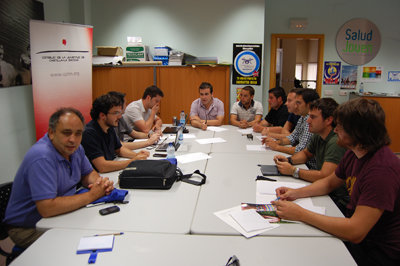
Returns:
<point x="210" y="140"/>
<point x="247" y="222"/>
<point x="192" y="157"/>
<point x="246" y="131"/>
<point x="216" y="129"/>
<point x="89" y="244"/>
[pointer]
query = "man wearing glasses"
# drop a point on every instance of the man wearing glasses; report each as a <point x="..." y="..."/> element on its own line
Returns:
<point x="206" y="110"/>
<point x="100" y="141"/>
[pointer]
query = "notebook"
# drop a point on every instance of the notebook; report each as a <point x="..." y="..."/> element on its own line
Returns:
<point x="89" y="244"/>
<point x="163" y="146"/>
<point x="269" y="170"/>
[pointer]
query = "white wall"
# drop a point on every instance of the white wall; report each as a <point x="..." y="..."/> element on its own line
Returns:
<point x="326" y="17"/>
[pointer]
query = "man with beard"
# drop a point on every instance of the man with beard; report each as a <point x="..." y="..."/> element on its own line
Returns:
<point x="100" y="141"/>
<point x="247" y="112"/>
<point x="206" y="110"/>
<point x="371" y="173"/>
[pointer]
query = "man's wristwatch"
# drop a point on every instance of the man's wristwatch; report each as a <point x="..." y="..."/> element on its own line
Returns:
<point x="296" y="173"/>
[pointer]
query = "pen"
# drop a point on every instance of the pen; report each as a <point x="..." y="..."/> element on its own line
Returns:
<point x="112" y="234"/>
<point x="278" y="198"/>
<point x="96" y="204"/>
<point x="265" y="178"/>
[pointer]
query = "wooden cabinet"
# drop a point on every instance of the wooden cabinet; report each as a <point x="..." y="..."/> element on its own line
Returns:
<point x="180" y="84"/>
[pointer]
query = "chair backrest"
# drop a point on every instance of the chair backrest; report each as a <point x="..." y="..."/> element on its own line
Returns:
<point x="5" y="192"/>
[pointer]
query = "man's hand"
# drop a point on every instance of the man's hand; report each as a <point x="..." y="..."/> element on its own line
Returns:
<point x="155" y="109"/>
<point x="243" y="124"/>
<point x="280" y="158"/>
<point x="102" y="186"/>
<point x="270" y="142"/>
<point x="203" y="126"/>
<point x="288" y="210"/>
<point x="258" y="127"/>
<point x="285" y="193"/>
<point x="265" y="131"/>
<point x="285" y="168"/>
<point x="153" y="138"/>
<point x="142" y="155"/>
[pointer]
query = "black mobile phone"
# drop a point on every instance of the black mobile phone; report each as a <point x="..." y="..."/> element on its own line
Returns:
<point x="109" y="210"/>
<point x="159" y="155"/>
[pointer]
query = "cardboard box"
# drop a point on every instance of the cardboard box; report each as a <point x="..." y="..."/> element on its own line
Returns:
<point x="110" y="51"/>
<point x="136" y="53"/>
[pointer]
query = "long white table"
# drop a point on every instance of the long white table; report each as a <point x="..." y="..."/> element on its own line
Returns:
<point x="58" y="247"/>
<point x="166" y="224"/>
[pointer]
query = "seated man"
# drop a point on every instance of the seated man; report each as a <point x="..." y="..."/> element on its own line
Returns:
<point x="278" y="114"/>
<point x="46" y="181"/>
<point x="301" y="135"/>
<point x="124" y="129"/>
<point x="322" y="147"/>
<point x="206" y="110"/>
<point x="246" y="112"/>
<point x="279" y="132"/>
<point x="142" y="114"/>
<point x="99" y="140"/>
<point x="371" y="173"/>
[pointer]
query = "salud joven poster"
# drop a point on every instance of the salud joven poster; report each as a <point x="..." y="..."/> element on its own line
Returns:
<point x="247" y="64"/>
<point x="61" y="69"/>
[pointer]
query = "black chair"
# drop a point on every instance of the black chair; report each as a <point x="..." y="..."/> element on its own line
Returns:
<point x="5" y="192"/>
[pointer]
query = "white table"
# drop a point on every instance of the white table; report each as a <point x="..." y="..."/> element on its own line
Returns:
<point x="227" y="187"/>
<point x="58" y="247"/>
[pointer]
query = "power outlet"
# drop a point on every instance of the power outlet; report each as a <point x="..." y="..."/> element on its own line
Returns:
<point x="343" y="93"/>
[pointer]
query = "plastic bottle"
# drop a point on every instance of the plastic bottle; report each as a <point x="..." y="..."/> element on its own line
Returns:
<point x="361" y="91"/>
<point x="180" y="138"/>
<point x="182" y="118"/>
<point x="170" y="151"/>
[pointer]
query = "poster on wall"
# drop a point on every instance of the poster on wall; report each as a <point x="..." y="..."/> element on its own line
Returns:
<point x="61" y="69"/>
<point x="371" y="74"/>
<point x="247" y="64"/>
<point x="15" y="58"/>
<point x="394" y="76"/>
<point x="348" y="79"/>
<point x="332" y="72"/>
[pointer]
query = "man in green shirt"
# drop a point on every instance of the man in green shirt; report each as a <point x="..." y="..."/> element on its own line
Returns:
<point x="322" y="146"/>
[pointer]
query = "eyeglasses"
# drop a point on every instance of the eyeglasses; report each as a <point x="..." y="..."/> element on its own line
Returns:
<point x="233" y="261"/>
<point x="116" y="113"/>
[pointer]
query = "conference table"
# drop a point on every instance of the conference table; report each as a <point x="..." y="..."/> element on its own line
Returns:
<point x="181" y="220"/>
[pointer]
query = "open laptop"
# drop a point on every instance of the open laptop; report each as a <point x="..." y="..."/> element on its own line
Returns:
<point x="174" y="129"/>
<point x="163" y="146"/>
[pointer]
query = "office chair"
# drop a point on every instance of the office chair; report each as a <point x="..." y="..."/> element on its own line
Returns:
<point x="5" y="192"/>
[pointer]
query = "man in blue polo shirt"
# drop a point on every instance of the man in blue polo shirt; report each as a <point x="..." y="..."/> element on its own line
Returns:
<point x="46" y="181"/>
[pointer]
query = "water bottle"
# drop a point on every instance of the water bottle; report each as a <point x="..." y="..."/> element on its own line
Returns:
<point x="170" y="151"/>
<point x="180" y="138"/>
<point x="182" y="118"/>
<point x="361" y="91"/>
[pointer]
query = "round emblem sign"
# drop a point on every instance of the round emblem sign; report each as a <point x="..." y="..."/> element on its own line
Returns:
<point x="358" y="41"/>
<point x="246" y="63"/>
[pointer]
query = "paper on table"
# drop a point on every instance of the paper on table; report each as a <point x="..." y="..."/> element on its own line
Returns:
<point x="192" y="157"/>
<point x="216" y="129"/>
<point x="250" y="220"/>
<point x="210" y="140"/>
<point x="100" y="243"/>
<point x="185" y="136"/>
<point x="257" y="148"/>
<point x="270" y="187"/>
<point x="246" y="131"/>
<point x="224" y="216"/>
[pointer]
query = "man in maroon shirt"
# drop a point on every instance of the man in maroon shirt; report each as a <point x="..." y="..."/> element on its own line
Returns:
<point x="371" y="172"/>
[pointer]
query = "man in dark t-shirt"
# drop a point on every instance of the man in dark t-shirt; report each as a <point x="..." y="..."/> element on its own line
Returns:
<point x="371" y="173"/>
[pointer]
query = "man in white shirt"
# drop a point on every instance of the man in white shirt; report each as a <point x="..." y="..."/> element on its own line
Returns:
<point x="142" y="114"/>
<point x="246" y="112"/>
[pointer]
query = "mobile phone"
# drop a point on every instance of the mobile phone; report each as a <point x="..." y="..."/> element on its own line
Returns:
<point x="109" y="210"/>
<point x="159" y="155"/>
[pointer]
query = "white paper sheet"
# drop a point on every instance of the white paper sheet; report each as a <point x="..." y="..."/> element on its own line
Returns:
<point x="264" y="187"/>
<point x="216" y="129"/>
<point x="250" y="220"/>
<point x="192" y="157"/>
<point x="210" y="140"/>
<point x="185" y="136"/>
<point x="225" y="216"/>
<point x="257" y="148"/>
<point x="246" y="131"/>
<point x="96" y="243"/>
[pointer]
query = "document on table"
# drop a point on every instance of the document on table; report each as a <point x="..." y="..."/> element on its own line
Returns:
<point x="185" y="136"/>
<point x="246" y="131"/>
<point x="216" y="129"/>
<point x="266" y="193"/>
<point x="192" y="157"/>
<point x="250" y="220"/>
<point x="99" y="243"/>
<point x="257" y="147"/>
<point x="210" y="140"/>
<point x="225" y="215"/>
